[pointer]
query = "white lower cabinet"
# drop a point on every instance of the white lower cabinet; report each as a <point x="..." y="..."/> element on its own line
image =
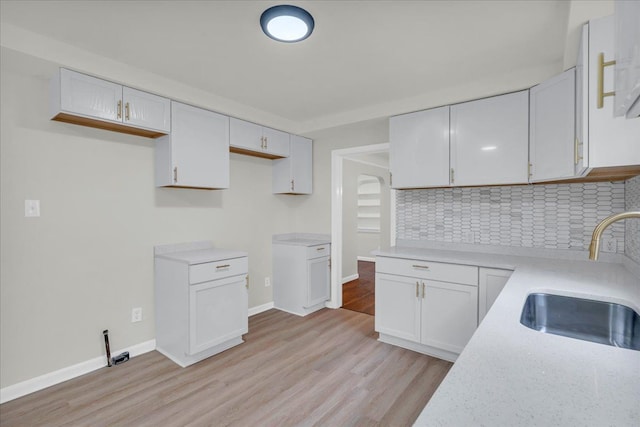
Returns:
<point x="216" y="312"/>
<point x="201" y="302"/>
<point x="491" y="281"/>
<point x="301" y="275"/>
<point x="414" y="311"/>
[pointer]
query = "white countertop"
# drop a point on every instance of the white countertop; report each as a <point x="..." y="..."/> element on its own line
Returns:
<point x="196" y="252"/>
<point x="301" y="239"/>
<point x="510" y="375"/>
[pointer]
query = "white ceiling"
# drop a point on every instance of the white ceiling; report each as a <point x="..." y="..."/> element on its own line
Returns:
<point x="365" y="59"/>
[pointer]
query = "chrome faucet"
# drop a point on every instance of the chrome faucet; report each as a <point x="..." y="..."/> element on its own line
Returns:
<point x="594" y="247"/>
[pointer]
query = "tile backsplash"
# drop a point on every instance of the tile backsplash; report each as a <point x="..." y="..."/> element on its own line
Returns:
<point x="554" y="216"/>
<point x="632" y="227"/>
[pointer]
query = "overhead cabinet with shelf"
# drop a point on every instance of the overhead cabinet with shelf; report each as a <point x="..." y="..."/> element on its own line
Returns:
<point x="196" y="153"/>
<point x="89" y="101"/>
<point x="605" y="141"/>
<point x="294" y="174"/>
<point x="255" y="140"/>
<point x="553" y="148"/>
<point x="419" y="150"/>
<point x="490" y="140"/>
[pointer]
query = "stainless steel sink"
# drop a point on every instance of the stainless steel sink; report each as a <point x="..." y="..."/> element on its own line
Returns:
<point x="588" y="320"/>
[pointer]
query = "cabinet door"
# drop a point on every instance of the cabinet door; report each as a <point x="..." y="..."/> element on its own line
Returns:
<point x="218" y="311"/>
<point x="398" y="306"/>
<point x="199" y="147"/>
<point x="613" y="141"/>
<point x="245" y="135"/>
<point x="90" y="96"/>
<point x="419" y="149"/>
<point x="582" y="106"/>
<point x="276" y="142"/>
<point x="317" y="281"/>
<point x="490" y="284"/>
<point x="143" y="109"/>
<point x="449" y="315"/>
<point x="551" y="128"/>
<point x="294" y="174"/>
<point x="490" y="140"/>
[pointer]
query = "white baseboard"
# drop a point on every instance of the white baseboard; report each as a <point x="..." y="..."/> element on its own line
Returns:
<point x="260" y="308"/>
<point x="52" y="378"/>
<point x="350" y="278"/>
<point x="367" y="258"/>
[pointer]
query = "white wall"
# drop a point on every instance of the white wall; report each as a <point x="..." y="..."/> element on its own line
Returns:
<point x="88" y="260"/>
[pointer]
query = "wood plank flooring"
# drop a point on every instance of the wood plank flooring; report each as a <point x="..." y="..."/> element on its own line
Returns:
<point x="325" y="369"/>
<point x="359" y="295"/>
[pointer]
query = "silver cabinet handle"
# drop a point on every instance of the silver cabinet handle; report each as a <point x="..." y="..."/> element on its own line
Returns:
<point x="425" y="267"/>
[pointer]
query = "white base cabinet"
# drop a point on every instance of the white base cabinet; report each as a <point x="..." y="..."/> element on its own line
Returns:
<point x="301" y="274"/>
<point x="491" y="281"/>
<point x="427" y="307"/>
<point x="201" y="301"/>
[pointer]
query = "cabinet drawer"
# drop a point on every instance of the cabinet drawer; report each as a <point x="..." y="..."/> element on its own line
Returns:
<point x="318" y="251"/>
<point x="455" y="273"/>
<point x="217" y="270"/>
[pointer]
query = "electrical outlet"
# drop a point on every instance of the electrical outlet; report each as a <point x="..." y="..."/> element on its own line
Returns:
<point x="469" y="237"/>
<point x="136" y="315"/>
<point x="609" y="245"/>
<point x="267" y="282"/>
<point x="31" y="208"/>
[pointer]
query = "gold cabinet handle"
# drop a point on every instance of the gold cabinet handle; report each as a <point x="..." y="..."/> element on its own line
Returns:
<point x="423" y="288"/>
<point x="292" y="185"/>
<point x="320" y="249"/>
<point x="426" y="267"/>
<point x="175" y="174"/>
<point x="262" y="142"/>
<point x="601" y="93"/>
<point x="126" y="111"/>
<point x="452" y="176"/>
<point x="529" y="168"/>
<point x="223" y="266"/>
<point x="247" y="281"/>
<point x="120" y="109"/>
<point x="266" y="143"/>
<point x="417" y="290"/>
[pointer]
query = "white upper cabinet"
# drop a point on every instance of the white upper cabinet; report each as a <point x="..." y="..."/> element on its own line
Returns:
<point x="145" y="110"/>
<point x="90" y="101"/>
<point x="612" y="141"/>
<point x="294" y="174"/>
<point x="196" y="154"/>
<point x="419" y="149"/>
<point x="490" y="140"/>
<point x="250" y="138"/>
<point x="627" y="56"/>
<point x="552" y="143"/>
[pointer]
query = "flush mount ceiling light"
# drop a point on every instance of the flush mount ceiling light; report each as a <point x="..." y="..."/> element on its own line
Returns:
<point x="286" y="23"/>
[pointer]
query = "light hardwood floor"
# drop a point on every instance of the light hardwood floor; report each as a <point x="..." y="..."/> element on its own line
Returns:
<point x="325" y="369"/>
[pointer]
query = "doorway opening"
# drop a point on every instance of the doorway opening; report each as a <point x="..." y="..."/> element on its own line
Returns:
<point x="351" y="170"/>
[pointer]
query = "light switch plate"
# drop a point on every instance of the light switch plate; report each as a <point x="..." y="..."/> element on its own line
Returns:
<point x="31" y="208"/>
